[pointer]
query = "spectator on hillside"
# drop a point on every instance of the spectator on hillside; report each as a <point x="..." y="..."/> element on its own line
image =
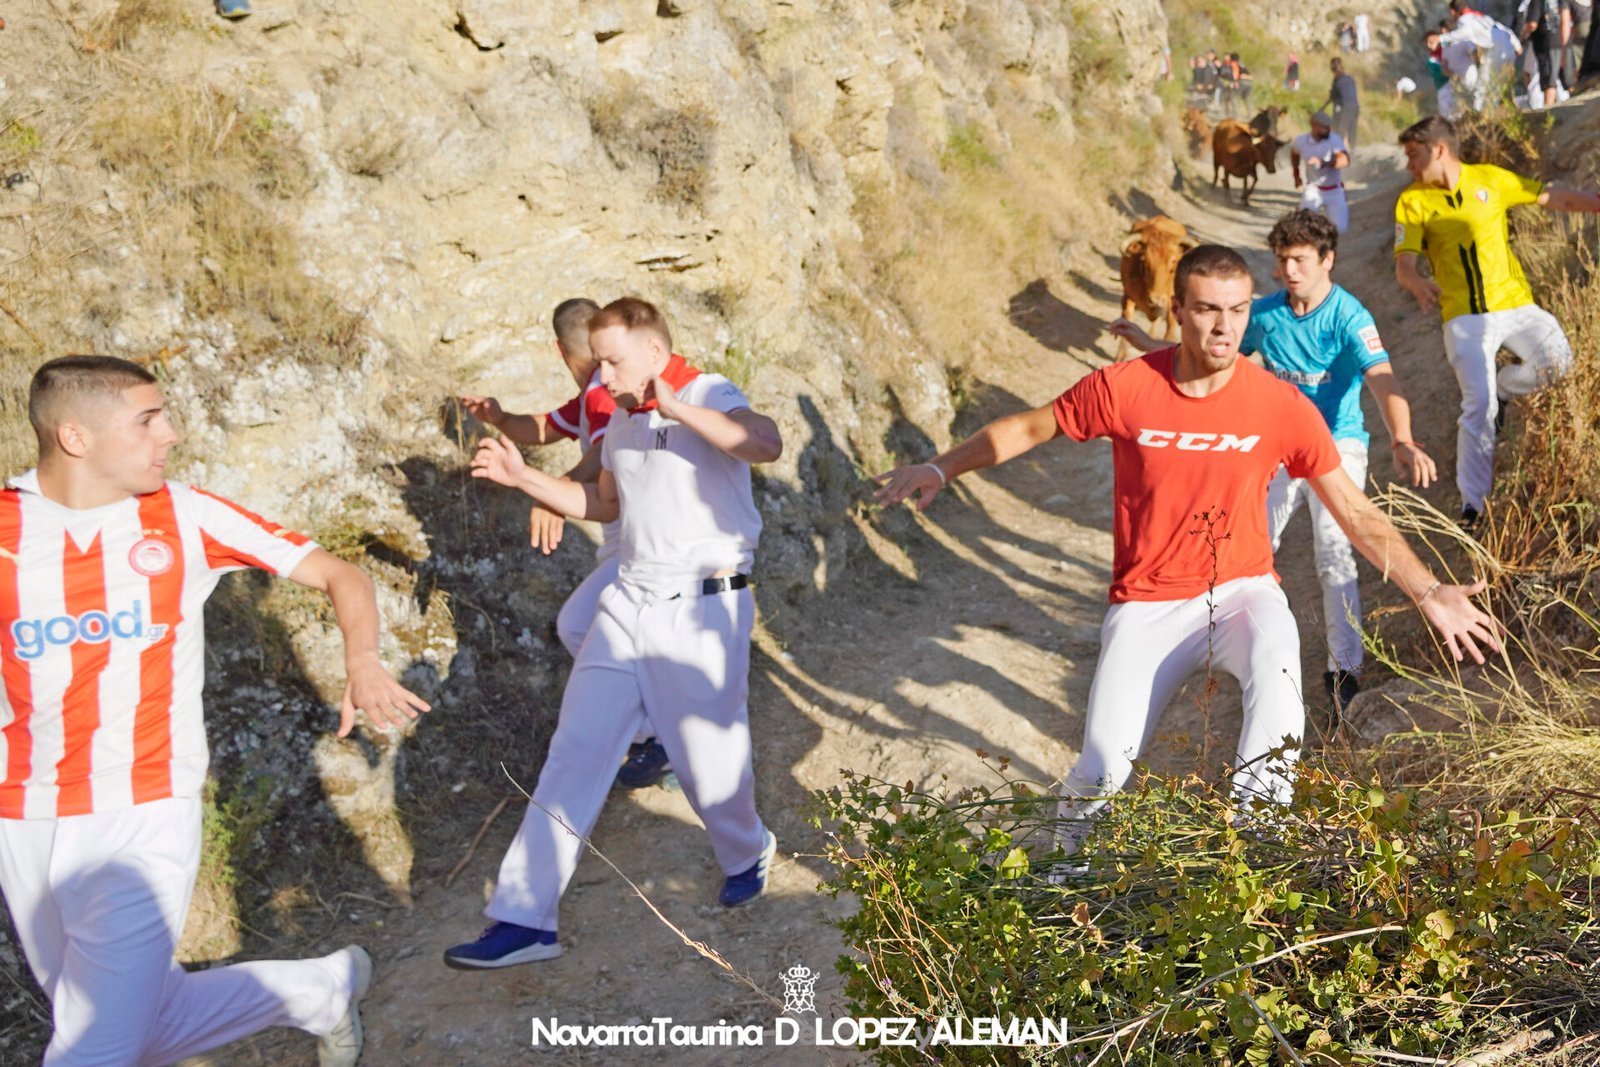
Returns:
<point x="1589" y="69"/>
<point x="1243" y="81"/>
<point x="1538" y="26"/>
<point x="1582" y="19"/>
<point x="1291" y="74"/>
<point x="1343" y="104"/>
<point x="1363" y="35"/>
<point x="1347" y="37"/>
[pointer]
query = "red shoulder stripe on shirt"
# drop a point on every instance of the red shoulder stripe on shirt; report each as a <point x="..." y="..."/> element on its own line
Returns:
<point x="83" y="576"/>
<point x="219" y="555"/>
<point x="18" y="679"/>
<point x="565" y="418"/>
<point x="271" y="527"/>
<point x="152" y="720"/>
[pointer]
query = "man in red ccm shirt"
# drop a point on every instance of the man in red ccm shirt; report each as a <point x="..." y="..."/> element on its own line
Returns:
<point x="1197" y="434"/>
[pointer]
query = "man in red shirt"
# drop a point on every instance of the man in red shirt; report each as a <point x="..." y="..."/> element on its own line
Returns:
<point x="1197" y="434"/>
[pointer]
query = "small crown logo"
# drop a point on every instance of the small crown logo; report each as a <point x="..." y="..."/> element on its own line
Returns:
<point x="799" y="989"/>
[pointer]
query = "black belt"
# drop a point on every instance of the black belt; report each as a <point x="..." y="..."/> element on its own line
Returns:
<point x="726" y="584"/>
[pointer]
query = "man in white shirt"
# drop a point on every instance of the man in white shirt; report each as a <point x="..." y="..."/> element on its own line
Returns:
<point x="1325" y="156"/>
<point x="670" y="643"/>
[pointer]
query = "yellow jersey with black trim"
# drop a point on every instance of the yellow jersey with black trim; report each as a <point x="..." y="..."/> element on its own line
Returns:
<point x="1464" y="233"/>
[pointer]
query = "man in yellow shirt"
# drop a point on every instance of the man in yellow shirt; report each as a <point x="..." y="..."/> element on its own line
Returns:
<point x="1455" y="214"/>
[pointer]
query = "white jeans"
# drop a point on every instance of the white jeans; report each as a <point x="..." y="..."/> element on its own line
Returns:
<point x="99" y="903"/>
<point x="577" y="614"/>
<point x="1147" y="650"/>
<point x="683" y="665"/>
<point x="1330" y="202"/>
<point x="1336" y="560"/>
<point x="1471" y="343"/>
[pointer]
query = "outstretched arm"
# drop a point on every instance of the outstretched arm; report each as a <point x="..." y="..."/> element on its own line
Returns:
<point x="369" y="687"/>
<point x="1410" y="461"/>
<point x="1131" y="332"/>
<point x="1003" y="439"/>
<point x="1448" y="608"/>
<point x="1570" y="200"/>
<point x="499" y="461"/>
<point x="523" y="429"/>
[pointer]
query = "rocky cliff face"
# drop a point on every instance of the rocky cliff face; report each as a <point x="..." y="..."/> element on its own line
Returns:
<point x="455" y="170"/>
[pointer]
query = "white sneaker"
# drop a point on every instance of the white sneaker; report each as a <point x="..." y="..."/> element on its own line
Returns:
<point x="341" y="1046"/>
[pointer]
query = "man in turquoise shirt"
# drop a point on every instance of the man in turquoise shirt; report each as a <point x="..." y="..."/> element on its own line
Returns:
<point x="1315" y="334"/>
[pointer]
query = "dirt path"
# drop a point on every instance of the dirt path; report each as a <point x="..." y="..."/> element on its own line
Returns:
<point x="975" y="627"/>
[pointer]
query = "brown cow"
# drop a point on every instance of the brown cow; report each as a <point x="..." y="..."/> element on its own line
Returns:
<point x="1150" y="257"/>
<point x="1236" y="149"/>
<point x="1198" y="129"/>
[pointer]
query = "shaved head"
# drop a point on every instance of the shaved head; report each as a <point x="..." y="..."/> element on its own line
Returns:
<point x="78" y="388"/>
<point x="571" y="324"/>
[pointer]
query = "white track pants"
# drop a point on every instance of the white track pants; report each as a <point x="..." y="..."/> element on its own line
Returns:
<point x="1330" y="202"/>
<point x="1336" y="560"/>
<point x="681" y="664"/>
<point x="1471" y="343"/>
<point x="1148" y="649"/>
<point x="577" y="614"/>
<point x="99" y="903"/>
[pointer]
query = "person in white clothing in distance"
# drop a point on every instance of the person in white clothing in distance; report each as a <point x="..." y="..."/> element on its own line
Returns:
<point x="1325" y="157"/>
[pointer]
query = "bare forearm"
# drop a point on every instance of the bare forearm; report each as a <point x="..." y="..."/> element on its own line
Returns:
<point x="576" y="500"/>
<point x="528" y="429"/>
<point x="1570" y="200"/>
<point x="1393" y="407"/>
<point x="355" y="608"/>
<point x="753" y="439"/>
<point x="1376" y="538"/>
<point x="1003" y="439"/>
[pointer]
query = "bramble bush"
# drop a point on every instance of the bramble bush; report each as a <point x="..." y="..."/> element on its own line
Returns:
<point x="1190" y="929"/>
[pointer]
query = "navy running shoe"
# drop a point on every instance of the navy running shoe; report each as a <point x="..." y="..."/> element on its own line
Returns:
<point x="751" y="882"/>
<point x="503" y="945"/>
<point x="647" y="764"/>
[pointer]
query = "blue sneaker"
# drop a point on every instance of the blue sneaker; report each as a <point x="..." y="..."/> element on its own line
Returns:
<point x="647" y="764"/>
<point x="751" y="882"/>
<point x="233" y="9"/>
<point x="503" y="945"/>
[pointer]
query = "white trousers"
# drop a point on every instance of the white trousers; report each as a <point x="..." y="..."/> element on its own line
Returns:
<point x="1471" y="343"/>
<point x="1335" y="558"/>
<point x="99" y="903"/>
<point x="683" y="665"/>
<point x="1148" y="649"/>
<point x="577" y="614"/>
<point x="1330" y="202"/>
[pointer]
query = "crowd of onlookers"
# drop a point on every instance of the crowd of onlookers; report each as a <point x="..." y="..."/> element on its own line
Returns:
<point x="1544" y="54"/>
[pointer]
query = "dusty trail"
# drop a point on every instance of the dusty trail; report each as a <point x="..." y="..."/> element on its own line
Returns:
<point x="974" y="627"/>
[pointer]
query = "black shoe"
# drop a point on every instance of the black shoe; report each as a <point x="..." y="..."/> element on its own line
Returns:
<point x="646" y="765"/>
<point x="1469" y="519"/>
<point x="1342" y="687"/>
<point x="1501" y="403"/>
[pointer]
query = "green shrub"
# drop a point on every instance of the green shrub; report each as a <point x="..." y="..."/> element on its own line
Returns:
<point x="1192" y="931"/>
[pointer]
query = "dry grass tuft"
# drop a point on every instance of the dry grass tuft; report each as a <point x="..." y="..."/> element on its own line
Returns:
<point x="120" y="27"/>
<point x="677" y="144"/>
<point x="206" y="175"/>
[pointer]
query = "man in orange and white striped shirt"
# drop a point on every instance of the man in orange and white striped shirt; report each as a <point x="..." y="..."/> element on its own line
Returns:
<point x="105" y="568"/>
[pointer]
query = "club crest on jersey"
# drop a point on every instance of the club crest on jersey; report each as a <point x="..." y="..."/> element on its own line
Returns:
<point x="661" y="438"/>
<point x="1482" y="195"/>
<point x="1399" y="234"/>
<point x="1198" y="442"/>
<point x="151" y="557"/>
